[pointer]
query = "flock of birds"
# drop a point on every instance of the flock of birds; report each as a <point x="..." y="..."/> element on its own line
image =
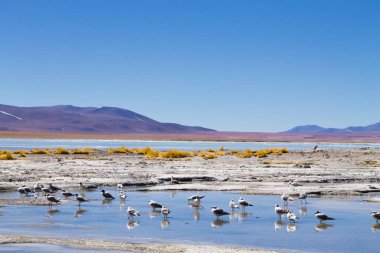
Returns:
<point x="194" y="200"/>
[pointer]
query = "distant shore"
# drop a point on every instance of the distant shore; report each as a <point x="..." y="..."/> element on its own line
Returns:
<point x="207" y="136"/>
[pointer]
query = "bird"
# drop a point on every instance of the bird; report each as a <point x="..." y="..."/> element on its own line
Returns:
<point x="233" y="204"/>
<point x="27" y="189"/>
<point x="119" y="186"/>
<point x="193" y="197"/>
<point x="218" y="211"/>
<point x="154" y="204"/>
<point x="54" y="188"/>
<point x="46" y="190"/>
<point x="37" y="187"/>
<point x="372" y="187"/>
<point x="322" y="217"/>
<point x="294" y="184"/>
<point x="52" y="199"/>
<point x="286" y="198"/>
<point x="66" y="194"/>
<point x="375" y="215"/>
<point x="244" y="203"/>
<point x="173" y="181"/>
<point x="303" y="196"/>
<point x="81" y="188"/>
<point x="122" y="195"/>
<point x="291" y="216"/>
<point x="107" y="195"/>
<point x="165" y="211"/>
<point x="80" y="199"/>
<point x="21" y="190"/>
<point x="279" y="211"/>
<point x="315" y="148"/>
<point x="132" y="212"/>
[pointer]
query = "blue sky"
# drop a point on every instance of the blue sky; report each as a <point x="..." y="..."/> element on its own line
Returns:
<point x="228" y="65"/>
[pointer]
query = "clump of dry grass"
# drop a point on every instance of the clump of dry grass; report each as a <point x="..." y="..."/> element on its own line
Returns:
<point x="61" y="151"/>
<point x="38" y="151"/>
<point x="245" y="154"/>
<point x="6" y="155"/>
<point x="83" y="151"/>
<point x="174" y="153"/>
<point x="120" y="150"/>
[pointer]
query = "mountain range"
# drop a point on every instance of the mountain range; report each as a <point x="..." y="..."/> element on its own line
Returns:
<point x="374" y="128"/>
<point x="72" y="119"/>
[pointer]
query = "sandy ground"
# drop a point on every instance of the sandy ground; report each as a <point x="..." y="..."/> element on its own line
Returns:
<point x="328" y="172"/>
<point x="135" y="247"/>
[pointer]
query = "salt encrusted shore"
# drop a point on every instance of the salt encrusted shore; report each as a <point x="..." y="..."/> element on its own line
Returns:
<point x="326" y="172"/>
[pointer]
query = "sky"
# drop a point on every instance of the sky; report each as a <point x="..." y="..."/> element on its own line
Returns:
<point x="231" y="65"/>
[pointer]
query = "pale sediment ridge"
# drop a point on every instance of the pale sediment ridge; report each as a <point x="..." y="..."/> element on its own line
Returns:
<point x="135" y="247"/>
<point x="330" y="172"/>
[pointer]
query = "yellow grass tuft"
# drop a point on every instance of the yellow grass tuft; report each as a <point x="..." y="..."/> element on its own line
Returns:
<point x="174" y="153"/>
<point x="6" y="155"/>
<point x="83" y="151"/>
<point x="61" y="151"/>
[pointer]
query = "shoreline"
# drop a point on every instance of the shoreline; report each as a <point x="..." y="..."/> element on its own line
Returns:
<point x="95" y="244"/>
<point x="346" y="138"/>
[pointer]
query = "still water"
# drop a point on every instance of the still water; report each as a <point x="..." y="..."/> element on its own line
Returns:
<point x="352" y="231"/>
<point x="14" y="144"/>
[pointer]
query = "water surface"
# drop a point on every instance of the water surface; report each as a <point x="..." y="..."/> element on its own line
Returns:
<point x="352" y="231"/>
<point x="14" y="144"/>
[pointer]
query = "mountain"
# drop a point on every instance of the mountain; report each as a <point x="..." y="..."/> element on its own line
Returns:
<point x="374" y="128"/>
<point x="72" y="119"/>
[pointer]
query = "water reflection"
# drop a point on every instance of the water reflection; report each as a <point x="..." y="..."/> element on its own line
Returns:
<point x="291" y="227"/>
<point x="154" y="213"/>
<point x="165" y="223"/>
<point x="196" y="214"/>
<point x="322" y="227"/>
<point x="217" y="223"/>
<point x="279" y="224"/>
<point x="375" y="227"/>
<point x="107" y="201"/>
<point x="132" y="224"/>
<point x="79" y="212"/>
<point x="51" y="212"/>
<point x="303" y="211"/>
<point x="243" y="215"/>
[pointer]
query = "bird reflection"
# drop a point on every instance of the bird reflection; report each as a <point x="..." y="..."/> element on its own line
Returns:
<point x="217" y="223"/>
<point x="78" y="213"/>
<point x="51" y="212"/>
<point x="172" y="194"/>
<point x="291" y="227"/>
<point x="122" y="204"/>
<point x="233" y="215"/>
<point x="132" y="224"/>
<point x="107" y="201"/>
<point x="375" y="227"/>
<point x="196" y="204"/>
<point x="196" y="214"/>
<point x="165" y="223"/>
<point x="154" y="213"/>
<point x="303" y="211"/>
<point x="243" y="215"/>
<point x="322" y="227"/>
<point x="279" y="224"/>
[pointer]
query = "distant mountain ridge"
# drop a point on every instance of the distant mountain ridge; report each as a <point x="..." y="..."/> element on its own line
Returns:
<point x="72" y="119"/>
<point x="374" y="128"/>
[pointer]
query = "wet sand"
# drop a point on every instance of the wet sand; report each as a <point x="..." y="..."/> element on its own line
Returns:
<point x="329" y="172"/>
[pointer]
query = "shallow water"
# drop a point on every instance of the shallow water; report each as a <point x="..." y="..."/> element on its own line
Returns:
<point x="14" y="144"/>
<point x="48" y="248"/>
<point x="352" y="231"/>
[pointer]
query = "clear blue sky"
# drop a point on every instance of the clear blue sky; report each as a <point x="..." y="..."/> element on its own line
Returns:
<point x="228" y="65"/>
